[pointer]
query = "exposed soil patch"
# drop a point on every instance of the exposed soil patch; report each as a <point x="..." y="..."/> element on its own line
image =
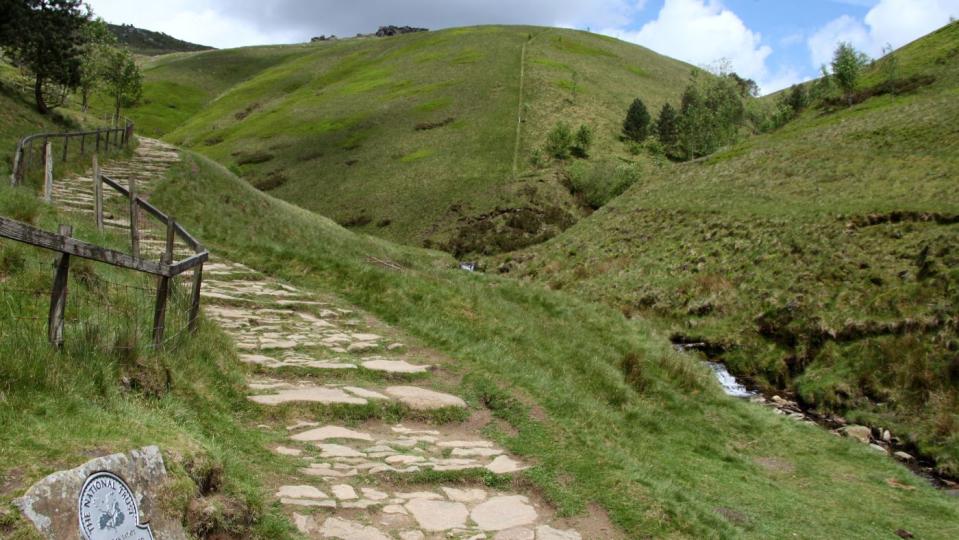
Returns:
<point x="253" y="158"/>
<point x="507" y="229"/>
<point x="247" y="111"/>
<point x="902" y="216"/>
<point x="423" y="126"/>
<point x="895" y="87"/>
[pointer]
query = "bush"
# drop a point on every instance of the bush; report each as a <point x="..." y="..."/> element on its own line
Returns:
<point x="599" y="183"/>
<point x="582" y="141"/>
<point x="537" y="159"/>
<point x="636" y="124"/>
<point x="559" y="141"/>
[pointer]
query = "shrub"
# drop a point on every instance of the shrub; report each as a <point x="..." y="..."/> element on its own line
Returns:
<point x="599" y="183"/>
<point x="537" y="159"/>
<point x="582" y="141"/>
<point x="559" y="141"/>
<point x="636" y="124"/>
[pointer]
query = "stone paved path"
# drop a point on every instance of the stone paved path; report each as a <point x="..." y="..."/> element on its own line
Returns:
<point x="308" y="353"/>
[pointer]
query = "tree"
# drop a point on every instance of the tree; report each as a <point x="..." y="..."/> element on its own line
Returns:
<point x="122" y="79"/>
<point x="46" y="38"/>
<point x="582" y="141"/>
<point x="798" y="98"/>
<point x="559" y="140"/>
<point x="847" y="66"/>
<point x="712" y="112"/>
<point x="747" y="87"/>
<point x="97" y="45"/>
<point x="889" y="64"/>
<point x="667" y="127"/>
<point x="823" y="87"/>
<point x="636" y="124"/>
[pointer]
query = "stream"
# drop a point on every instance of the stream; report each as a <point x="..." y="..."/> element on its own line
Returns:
<point x="880" y="440"/>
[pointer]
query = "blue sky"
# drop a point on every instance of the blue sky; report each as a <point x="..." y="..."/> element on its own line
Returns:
<point x="775" y="42"/>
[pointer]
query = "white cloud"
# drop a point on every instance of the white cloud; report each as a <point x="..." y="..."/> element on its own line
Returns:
<point x="229" y="23"/>
<point x="703" y="31"/>
<point x="893" y="22"/>
<point x="193" y="21"/>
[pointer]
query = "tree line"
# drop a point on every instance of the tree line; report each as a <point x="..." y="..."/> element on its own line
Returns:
<point x="715" y="108"/>
<point x="66" y="51"/>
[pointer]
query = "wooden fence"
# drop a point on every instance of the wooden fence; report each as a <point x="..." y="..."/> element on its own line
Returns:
<point x="39" y="149"/>
<point x="63" y="242"/>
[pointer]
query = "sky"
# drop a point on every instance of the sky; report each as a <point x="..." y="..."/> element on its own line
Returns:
<point x="774" y="42"/>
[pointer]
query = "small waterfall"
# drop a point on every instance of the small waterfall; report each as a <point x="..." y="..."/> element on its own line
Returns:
<point x="729" y="383"/>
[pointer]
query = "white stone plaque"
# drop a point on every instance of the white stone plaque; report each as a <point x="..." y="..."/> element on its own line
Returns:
<point x="108" y="510"/>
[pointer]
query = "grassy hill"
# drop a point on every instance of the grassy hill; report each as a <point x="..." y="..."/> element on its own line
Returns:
<point x="822" y="257"/>
<point x="614" y="419"/>
<point x="150" y="43"/>
<point x="413" y="138"/>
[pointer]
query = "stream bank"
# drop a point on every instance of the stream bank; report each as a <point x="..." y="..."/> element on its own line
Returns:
<point x="878" y="438"/>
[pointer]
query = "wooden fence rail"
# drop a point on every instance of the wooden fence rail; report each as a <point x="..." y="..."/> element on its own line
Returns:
<point x="63" y="242"/>
<point x="26" y="147"/>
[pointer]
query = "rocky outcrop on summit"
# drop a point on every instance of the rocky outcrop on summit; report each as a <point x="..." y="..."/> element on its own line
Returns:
<point x="386" y="31"/>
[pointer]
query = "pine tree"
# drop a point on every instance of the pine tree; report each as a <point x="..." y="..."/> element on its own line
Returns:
<point x="636" y="124"/>
<point x="667" y="127"/>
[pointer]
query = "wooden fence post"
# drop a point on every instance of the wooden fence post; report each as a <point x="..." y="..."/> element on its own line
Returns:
<point x="97" y="194"/>
<point x="195" y="299"/>
<point x="83" y="143"/>
<point x="66" y="146"/>
<point x="163" y="288"/>
<point x="17" y="160"/>
<point x="134" y="220"/>
<point x="58" y="296"/>
<point x="27" y="158"/>
<point x="98" y="141"/>
<point x="48" y="172"/>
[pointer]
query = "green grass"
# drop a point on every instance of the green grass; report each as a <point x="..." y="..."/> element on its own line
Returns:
<point x="753" y="248"/>
<point x="108" y="391"/>
<point x="666" y="454"/>
<point x="375" y="91"/>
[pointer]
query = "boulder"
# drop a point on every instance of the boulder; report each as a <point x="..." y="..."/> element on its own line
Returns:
<point x="52" y="504"/>
<point x="861" y="433"/>
<point x="903" y="456"/>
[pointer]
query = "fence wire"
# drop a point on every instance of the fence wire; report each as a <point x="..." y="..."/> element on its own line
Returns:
<point x="101" y="311"/>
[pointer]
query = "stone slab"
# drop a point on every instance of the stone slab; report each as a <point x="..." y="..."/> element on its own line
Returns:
<point x="422" y="399"/>
<point x="51" y="504"/>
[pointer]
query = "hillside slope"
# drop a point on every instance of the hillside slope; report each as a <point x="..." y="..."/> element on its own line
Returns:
<point x="822" y="258"/>
<point x="150" y="43"/>
<point x="617" y="422"/>
<point x="413" y="137"/>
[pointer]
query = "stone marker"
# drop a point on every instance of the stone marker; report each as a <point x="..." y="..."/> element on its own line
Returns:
<point x="54" y="504"/>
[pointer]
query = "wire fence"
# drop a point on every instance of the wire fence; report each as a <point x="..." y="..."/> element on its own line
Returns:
<point x="103" y="309"/>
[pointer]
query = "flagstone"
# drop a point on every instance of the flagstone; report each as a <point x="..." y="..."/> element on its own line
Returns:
<point x="503" y="512"/>
<point x="331" y="432"/>
<point x="437" y="516"/>
<point x="423" y="399"/>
